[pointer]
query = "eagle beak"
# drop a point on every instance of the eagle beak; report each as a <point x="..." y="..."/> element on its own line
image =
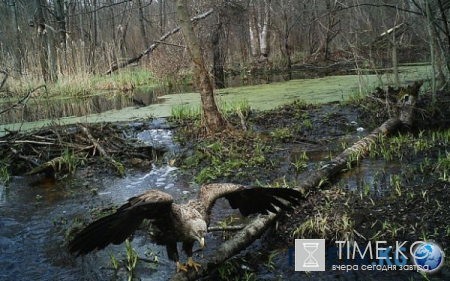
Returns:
<point x="202" y="242"/>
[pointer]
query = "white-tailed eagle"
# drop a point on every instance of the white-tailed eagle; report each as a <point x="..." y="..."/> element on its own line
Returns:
<point x="173" y="223"/>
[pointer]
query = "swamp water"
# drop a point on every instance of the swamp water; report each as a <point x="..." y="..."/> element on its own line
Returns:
<point x="145" y="103"/>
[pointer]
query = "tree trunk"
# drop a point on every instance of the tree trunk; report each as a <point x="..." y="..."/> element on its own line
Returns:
<point x="218" y="61"/>
<point x="16" y="50"/>
<point x="447" y="33"/>
<point x="212" y="117"/>
<point x="395" y="62"/>
<point x="265" y="33"/>
<point x="432" y="51"/>
<point x="255" y="46"/>
<point x="284" y="44"/>
<point x="142" y="24"/>
<point x="43" y="41"/>
<point x="162" y="15"/>
<point x="61" y="18"/>
<point x="94" y="36"/>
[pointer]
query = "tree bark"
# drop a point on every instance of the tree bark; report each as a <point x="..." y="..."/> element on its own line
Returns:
<point x="16" y="50"/>
<point x="61" y="18"/>
<point x="265" y="33"/>
<point x="218" y="61"/>
<point x="255" y="46"/>
<point x="212" y="117"/>
<point x="43" y="41"/>
<point x="142" y="24"/>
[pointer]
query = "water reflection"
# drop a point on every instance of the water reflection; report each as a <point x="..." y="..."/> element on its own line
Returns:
<point x="39" y="108"/>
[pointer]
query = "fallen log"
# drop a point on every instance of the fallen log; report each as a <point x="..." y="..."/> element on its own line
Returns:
<point x="155" y="44"/>
<point x="56" y="164"/>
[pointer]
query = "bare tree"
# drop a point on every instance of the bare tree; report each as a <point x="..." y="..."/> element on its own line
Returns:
<point x="17" y="50"/>
<point x="46" y="48"/>
<point x="255" y="45"/>
<point x="212" y="117"/>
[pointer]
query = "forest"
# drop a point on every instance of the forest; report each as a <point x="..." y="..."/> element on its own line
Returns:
<point x="107" y="105"/>
<point x="59" y="40"/>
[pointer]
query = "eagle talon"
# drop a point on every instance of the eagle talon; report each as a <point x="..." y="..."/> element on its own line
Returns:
<point x="181" y="267"/>
<point x="192" y="263"/>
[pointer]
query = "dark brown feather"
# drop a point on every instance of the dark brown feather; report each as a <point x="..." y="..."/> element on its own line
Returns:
<point x="117" y="227"/>
<point x="248" y="200"/>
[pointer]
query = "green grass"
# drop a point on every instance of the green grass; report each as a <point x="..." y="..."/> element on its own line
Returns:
<point x="184" y="111"/>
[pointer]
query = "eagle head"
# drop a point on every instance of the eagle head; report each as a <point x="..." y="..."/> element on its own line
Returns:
<point x="197" y="230"/>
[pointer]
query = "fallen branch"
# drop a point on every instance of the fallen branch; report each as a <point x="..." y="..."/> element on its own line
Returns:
<point x="226" y="228"/>
<point x="119" y="167"/>
<point x="27" y="141"/>
<point x="55" y="164"/>
<point x="155" y="44"/>
<point x="30" y="160"/>
<point x="24" y="100"/>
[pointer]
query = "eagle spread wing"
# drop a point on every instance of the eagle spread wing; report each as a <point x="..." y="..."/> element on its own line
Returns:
<point x="174" y="223"/>
<point x="255" y="200"/>
<point x="117" y="227"/>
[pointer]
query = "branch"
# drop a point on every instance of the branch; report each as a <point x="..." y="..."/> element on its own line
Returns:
<point x="226" y="228"/>
<point x="381" y="6"/>
<point x="119" y="167"/>
<point x="155" y="44"/>
<point x="24" y="100"/>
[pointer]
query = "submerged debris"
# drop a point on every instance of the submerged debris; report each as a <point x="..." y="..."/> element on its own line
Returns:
<point x="59" y="150"/>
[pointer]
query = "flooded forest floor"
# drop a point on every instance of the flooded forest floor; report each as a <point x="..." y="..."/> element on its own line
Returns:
<point x="399" y="192"/>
